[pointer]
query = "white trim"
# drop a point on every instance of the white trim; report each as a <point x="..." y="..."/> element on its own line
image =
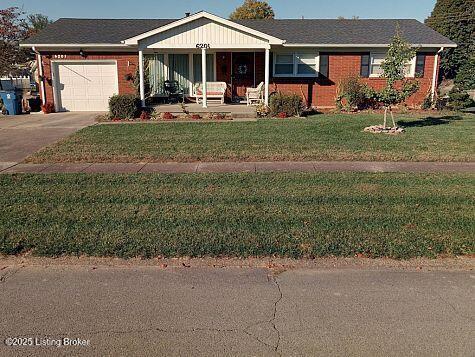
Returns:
<point x="39" y="62"/>
<point x="203" y="78"/>
<point x="61" y="45"/>
<point x="216" y="47"/>
<point x="365" y="45"/>
<point x="54" y="68"/>
<point x="434" y="75"/>
<point x="203" y="14"/>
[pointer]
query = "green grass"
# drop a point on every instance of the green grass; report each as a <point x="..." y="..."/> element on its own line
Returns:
<point x="322" y="137"/>
<point x="291" y="215"/>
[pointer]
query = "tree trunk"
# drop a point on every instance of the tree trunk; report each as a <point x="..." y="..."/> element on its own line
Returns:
<point x="392" y="116"/>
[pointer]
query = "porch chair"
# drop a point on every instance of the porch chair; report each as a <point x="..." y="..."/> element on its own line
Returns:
<point x="255" y="95"/>
<point x="174" y="91"/>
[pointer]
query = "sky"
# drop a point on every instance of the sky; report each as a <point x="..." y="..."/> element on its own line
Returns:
<point x="418" y="9"/>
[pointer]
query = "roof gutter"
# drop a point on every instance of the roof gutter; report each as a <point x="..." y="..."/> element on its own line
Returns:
<point x="39" y="61"/>
<point x="362" y="45"/>
<point x="435" y="75"/>
<point x="73" y="45"/>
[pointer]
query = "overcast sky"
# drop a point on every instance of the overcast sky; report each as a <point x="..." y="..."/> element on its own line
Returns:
<point x="418" y="9"/>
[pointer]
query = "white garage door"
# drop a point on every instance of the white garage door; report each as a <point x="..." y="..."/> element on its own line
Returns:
<point x="85" y="86"/>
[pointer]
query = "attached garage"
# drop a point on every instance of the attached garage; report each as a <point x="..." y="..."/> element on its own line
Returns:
<point x="84" y="85"/>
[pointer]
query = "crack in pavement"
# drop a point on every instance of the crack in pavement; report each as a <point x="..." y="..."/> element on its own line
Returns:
<point x="271" y="321"/>
<point x="275" y="315"/>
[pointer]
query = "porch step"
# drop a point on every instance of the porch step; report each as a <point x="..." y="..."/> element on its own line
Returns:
<point x="237" y="111"/>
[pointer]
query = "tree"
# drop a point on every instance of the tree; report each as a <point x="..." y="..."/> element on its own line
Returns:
<point x="37" y="22"/>
<point x="398" y="88"/>
<point x="455" y="19"/>
<point x="13" y="29"/>
<point x="253" y="9"/>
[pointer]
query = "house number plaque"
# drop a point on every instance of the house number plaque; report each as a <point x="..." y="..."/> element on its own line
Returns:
<point x="203" y="45"/>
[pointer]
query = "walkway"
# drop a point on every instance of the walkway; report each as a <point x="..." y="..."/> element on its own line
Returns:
<point x="230" y="167"/>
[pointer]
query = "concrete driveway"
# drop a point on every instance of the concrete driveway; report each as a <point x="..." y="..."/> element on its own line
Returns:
<point x="150" y="311"/>
<point x="22" y="135"/>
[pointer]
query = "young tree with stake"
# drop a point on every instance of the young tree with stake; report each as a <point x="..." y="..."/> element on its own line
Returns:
<point x="398" y="87"/>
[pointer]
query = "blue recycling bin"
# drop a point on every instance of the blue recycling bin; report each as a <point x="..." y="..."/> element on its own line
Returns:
<point x="11" y="101"/>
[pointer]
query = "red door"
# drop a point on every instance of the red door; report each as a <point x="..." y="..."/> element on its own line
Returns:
<point x="243" y="72"/>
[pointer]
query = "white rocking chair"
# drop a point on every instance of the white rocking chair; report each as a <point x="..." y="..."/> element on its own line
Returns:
<point x="255" y="95"/>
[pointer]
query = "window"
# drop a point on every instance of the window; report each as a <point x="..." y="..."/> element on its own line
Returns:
<point x="306" y="64"/>
<point x="324" y="65"/>
<point x="295" y="65"/>
<point x="284" y="65"/>
<point x="197" y="68"/>
<point x="420" y="65"/>
<point x="365" y="64"/>
<point x="376" y="62"/>
<point x="377" y="59"/>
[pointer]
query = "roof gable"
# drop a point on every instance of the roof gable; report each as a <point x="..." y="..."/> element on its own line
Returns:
<point x="204" y="15"/>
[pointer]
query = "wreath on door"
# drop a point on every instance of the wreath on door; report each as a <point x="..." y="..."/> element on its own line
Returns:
<point x="242" y="69"/>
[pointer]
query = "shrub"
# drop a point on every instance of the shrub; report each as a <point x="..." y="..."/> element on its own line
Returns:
<point x="145" y="115"/>
<point x="195" y="116"/>
<point x="466" y="75"/>
<point x="48" y="108"/>
<point x="282" y="115"/>
<point x="459" y="99"/>
<point x="353" y="94"/>
<point x="168" y="116"/>
<point x="427" y="103"/>
<point x="291" y="104"/>
<point x="3" y="110"/>
<point x="124" y="106"/>
<point x="262" y="110"/>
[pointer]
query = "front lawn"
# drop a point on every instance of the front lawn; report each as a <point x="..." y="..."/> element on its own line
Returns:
<point x="286" y="214"/>
<point x="322" y="137"/>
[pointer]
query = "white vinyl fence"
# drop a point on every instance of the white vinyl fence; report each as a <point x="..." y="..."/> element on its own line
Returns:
<point x="19" y="83"/>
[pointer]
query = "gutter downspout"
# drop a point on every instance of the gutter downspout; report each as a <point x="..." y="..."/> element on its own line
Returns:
<point x="40" y="73"/>
<point x="435" y="74"/>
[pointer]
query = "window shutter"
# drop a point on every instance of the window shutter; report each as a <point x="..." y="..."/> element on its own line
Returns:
<point x="420" y="64"/>
<point x="365" y="61"/>
<point x="324" y="65"/>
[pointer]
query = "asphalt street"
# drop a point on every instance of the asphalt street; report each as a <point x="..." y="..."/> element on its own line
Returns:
<point x="205" y="311"/>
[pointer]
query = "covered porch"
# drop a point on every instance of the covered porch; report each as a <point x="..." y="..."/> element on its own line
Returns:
<point x="233" y="72"/>
<point x="201" y="50"/>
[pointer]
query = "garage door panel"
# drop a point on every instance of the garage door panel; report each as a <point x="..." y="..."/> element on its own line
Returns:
<point x="85" y="86"/>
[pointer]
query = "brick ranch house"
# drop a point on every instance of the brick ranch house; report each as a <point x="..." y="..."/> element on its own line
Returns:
<point x="83" y="62"/>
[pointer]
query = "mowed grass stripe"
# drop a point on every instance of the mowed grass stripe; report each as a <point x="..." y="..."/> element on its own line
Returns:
<point x="291" y="215"/>
<point x="322" y="137"/>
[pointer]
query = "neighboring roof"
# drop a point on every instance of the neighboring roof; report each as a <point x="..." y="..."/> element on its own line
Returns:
<point x="294" y="31"/>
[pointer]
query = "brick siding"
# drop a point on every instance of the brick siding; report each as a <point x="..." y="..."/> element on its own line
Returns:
<point x="316" y="92"/>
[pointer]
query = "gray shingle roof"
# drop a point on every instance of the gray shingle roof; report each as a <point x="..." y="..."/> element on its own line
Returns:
<point x="321" y="31"/>
<point x="325" y="31"/>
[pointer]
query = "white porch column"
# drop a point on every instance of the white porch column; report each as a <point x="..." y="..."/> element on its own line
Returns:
<point x="142" y="79"/>
<point x="203" y="77"/>
<point x="266" y="78"/>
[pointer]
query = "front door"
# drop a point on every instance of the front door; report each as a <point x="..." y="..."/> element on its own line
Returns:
<point x="243" y="73"/>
